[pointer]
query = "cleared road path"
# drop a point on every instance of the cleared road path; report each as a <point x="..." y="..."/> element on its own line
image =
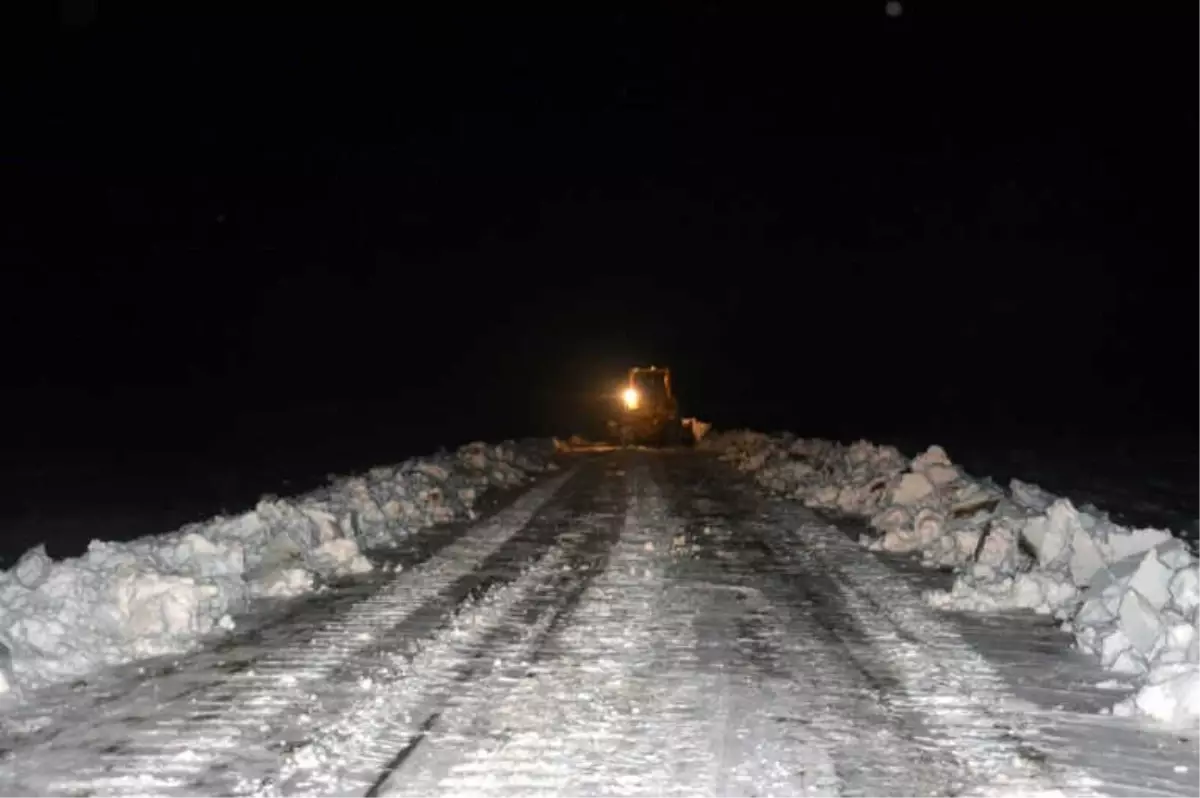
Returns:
<point x="642" y="623"/>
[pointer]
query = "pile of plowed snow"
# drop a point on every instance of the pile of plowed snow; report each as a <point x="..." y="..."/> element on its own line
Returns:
<point x="160" y="594"/>
<point x="1130" y="596"/>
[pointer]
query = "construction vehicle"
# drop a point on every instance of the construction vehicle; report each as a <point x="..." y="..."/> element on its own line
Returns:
<point x="648" y="410"/>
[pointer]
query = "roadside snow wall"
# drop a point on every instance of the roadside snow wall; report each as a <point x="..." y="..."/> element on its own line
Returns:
<point x="1130" y="596"/>
<point x="160" y="594"/>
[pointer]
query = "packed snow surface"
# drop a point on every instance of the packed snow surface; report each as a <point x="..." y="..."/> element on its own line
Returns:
<point x="640" y="623"/>
<point x="1130" y="596"/>
<point x="161" y="594"/>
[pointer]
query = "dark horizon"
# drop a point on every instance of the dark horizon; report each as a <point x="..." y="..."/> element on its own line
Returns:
<point x="348" y="240"/>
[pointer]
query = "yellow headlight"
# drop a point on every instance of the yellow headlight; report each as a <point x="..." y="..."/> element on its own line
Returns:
<point x="631" y="398"/>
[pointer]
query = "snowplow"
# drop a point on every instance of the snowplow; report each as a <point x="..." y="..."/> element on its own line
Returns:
<point x="648" y="412"/>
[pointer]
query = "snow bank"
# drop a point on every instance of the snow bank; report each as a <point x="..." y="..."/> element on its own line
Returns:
<point x="1130" y="596"/>
<point x="927" y="506"/>
<point x="160" y="594"/>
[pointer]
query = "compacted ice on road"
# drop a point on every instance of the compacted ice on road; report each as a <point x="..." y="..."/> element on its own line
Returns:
<point x="640" y="623"/>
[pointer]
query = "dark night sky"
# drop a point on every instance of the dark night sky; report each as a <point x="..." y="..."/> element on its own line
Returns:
<point x="216" y="227"/>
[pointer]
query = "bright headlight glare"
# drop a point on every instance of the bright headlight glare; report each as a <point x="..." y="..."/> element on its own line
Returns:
<point x="631" y="398"/>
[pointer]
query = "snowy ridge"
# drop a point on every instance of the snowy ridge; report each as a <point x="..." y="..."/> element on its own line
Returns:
<point x="1129" y="596"/>
<point x="162" y="594"/>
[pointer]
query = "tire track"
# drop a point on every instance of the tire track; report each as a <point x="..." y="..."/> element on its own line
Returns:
<point x="374" y="739"/>
<point x="151" y="684"/>
<point x="630" y="707"/>
<point x="944" y="682"/>
<point x="951" y="708"/>
<point x="808" y="653"/>
<point x="167" y="751"/>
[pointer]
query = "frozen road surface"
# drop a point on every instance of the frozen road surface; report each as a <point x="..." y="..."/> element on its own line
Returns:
<point x="642" y="623"/>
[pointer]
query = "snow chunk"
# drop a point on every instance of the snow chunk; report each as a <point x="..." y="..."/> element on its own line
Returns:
<point x="158" y="605"/>
<point x="201" y="556"/>
<point x="1171" y="696"/>
<point x="911" y="489"/>
<point x="1063" y="539"/>
<point x="1184" y="589"/>
<point x="934" y="464"/>
<point x="1139" y="621"/>
<point x="999" y="546"/>
<point x="933" y="456"/>
<point x="925" y="528"/>
<point x="1130" y="607"/>
<point x="980" y="591"/>
<point x="285" y="583"/>
<point x="33" y="568"/>
<point x="1029" y="495"/>
<point x="339" y="557"/>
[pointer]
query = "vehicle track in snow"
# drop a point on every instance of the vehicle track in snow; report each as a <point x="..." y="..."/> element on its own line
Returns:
<point x="493" y="641"/>
<point x="646" y="624"/>
<point x="143" y="743"/>
<point x="941" y="718"/>
<point x="766" y="654"/>
<point x="804" y="641"/>
<point x="270" y="624"/>
<point x="628" y="702"/>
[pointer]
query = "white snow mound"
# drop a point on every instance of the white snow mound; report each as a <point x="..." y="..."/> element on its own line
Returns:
<point x="1129" y="595"/>
<point x="157" y="595"/>
<point x="1171" y="696"/>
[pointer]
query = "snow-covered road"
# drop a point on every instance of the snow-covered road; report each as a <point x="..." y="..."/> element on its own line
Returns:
<point x="642" y="623"/>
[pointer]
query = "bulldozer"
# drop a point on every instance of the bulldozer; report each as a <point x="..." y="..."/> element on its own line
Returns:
<point x="649" y="412"/>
